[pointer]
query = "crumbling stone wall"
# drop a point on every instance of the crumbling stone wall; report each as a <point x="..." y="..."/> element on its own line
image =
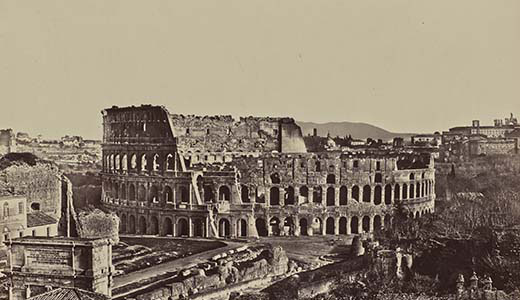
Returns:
<point x="96" y="224"/>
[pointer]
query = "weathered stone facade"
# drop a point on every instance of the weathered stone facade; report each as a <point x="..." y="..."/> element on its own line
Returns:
<point x="213" y="176"/>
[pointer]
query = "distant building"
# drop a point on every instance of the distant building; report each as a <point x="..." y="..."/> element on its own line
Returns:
<point x="72" y="141"/>
<point x="427" y="139"/>
<point x="7" y="141"/>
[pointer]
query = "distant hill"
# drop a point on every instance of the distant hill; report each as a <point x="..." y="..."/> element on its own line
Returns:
<point x="356" y="130"/>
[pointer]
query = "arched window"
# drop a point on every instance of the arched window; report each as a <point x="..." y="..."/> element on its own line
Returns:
<point x="274" y="196"/>
<point x="224" y="194"/>
<point x="378" y="193"/>
<point x="275" y="178"/>
<point x="388" y="194"/>
<point x="397" y="192"/>
<point x="331" y="179"/>
<point x="317" y="195"/>
<point x="168" y="194"/>
<point x="289" y="196"/>
<point x="331" y="196"/>
<point x="355" y="193"/>
<point x="6" y="210"/>
<point x="156" y="162"/>
<point x="405" y="191"/>
<point x="124" y="163"/>
<point x="133" y="162"/>
<point x="343" y="195"/>
<point x="367" y="193"/>
<point x="117" y="162"/>
<point x="143" y="162"/>
<point x="169" y="162"/>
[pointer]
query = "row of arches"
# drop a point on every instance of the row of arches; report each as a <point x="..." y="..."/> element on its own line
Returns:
<point x="138" y="162"/>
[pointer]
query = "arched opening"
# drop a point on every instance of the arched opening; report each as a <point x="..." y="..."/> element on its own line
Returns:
<point x="242" y="225"/>
<point x="198" y="227"/>
<point x="131" y="224"/>
<point x="209" y="196"/>
<point x="317" y="195"/>
<point x="116" y="191"/>
<point x="143" y="162"/>
<point x="244" y="193"/>
<point x="342" y="225"/>
<point x="354" y="225"/>
<point x="377" y="223"/>
<point x="124" y="163"/>
<point x="289" y="196"/>
<point x="405" y="191"/>
<point x="131" y="192"/>
<point x="224" y="194"/>
<point x="142" y="193"/>
<point x="224" y="228"/>
<point x="133" y="162"/>
<point x="167" y="226"/>
<point x="274" y="196"/>
<point x="330" y="196"/>
<point x="388" y="194"/>
<point x="182" y="227"/>
<point x="317" y="226"/>
<point x="169" y="162"/>
<point x="378" y="192"/>
<point x="378" y="178"/>
<point x="154" y="194"/>
<point x="397" y="192"/>
<point x="329" y="229"/>
<point x="366" y="224"/>
<point x="355" y="193"/>
<point x="303" y="227"/>
<point x="417" y="215"/>
<point x="412" y="176"/>
<point x="122" y="226"/>
<point x="275" y="178"/>
<point x="343" y="195"/>
<point x="331" y="179"/>
<point x="118" y="162"/>
<point x="261" y="227"/>
<point x="156" y="164"/>
<point x="318" y="166"/>
<point x="123" y="191"/>
<point x="412" y="190"/>
<point x="184" y="194"/>
<point x="154" y="228"/>
<point x="418" y="191"/>
<point x="168" y="194"/>
<point x="288" y="226"/>
<point x="274" y="223"/>
<point x="366" y="193"/>
<point x="35" y="206"/>
<point x="142" y="225"/>
<point x="304" y="194"/>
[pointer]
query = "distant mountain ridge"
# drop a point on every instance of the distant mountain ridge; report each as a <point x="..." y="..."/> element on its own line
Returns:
<point x="356" y="130"/>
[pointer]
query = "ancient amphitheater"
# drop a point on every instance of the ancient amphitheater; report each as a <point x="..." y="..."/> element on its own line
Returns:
<point x="171" y="174"/>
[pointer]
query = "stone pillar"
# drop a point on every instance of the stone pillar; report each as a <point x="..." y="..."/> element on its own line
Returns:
<point x="206" y="227"/>
<point x="324" y="226"/>
<point x="336" y="226"/>
<point x="174" y="225"/>
<point x="190" y="227"/>
<point x="360" y="224"/>
<point x="311" y="195"/>
<point x="371" y="224"/>
<point x="392" y="197"/>
<point x="267" y="195"/>
<point x="336" y="196"/>
<point x="349" y="231"/>
<point x="281" y="192"/>
<point x="372" y="194"/>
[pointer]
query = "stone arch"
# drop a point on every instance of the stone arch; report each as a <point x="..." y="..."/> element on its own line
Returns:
<point x="378" y="224"/>
<point x="169" y="162"/>
<point x="244" y="193"/>
<point x="242" y="225"/>
<point x="412" y="176"/>
<point x="118" y="162"/>
<point x="388" y="194"/>
<point x="167" y="226"/>
<point x="397" y="192"/>
<point x="354" y="225"/>
<point x="124" y="162"/>
<point x="378" y="193"/>
<point x="304" y="228"/>
<point x="168" y="194"/>
<point x="131" y="224"/>
<point x="412" y="190"/>
<point x="417" y="215"/>
<point x="224" y="194"/>
<point x="418" y="190"/>
<point x="144" y="162"/>
<point x="123" y="191"/>
<point x="116" y="191"/>
<point x="317" y="226"/>
<point x="331" y="179"/>
<point x="122" y="225"/>
<point x="261" y="227"/>
<point x="274" y="196"/>
<point x="184" y="194"/>
<point x="304" y="194"/>
<point x="318" y="166"/>
<point x="289" y="196"/>
<point x="331" y="194"/>
<point x="342" y="225"/>
<point x="182" y="227"/>
<point x="405" y="191"/>
<point x="156" y="164"/>
<point x="275" y="178"/>
<point x="131" y="192"/>
<point x="355" y="192"/>
<point x="274" y="224"/>
<point x="343" y="195"/>
<point x="317" y="194"/>
<point x="142" y="225"/>
<point x="154" y="226"/>
<point x="288" y="226"/>
<point x="209" y="195"/>
<point x="366" y="224"/>
<point x="367" y="193"/>
<point x="133" y="162"/>
<point x="224" y="228"/>
<point x="198" y="227"/>
<point x="154" y="194"/>
<point x="141" y="193"/>
<point x="330" y="226"/>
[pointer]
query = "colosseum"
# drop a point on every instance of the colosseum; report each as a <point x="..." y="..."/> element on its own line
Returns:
<point x="215" y="176"/>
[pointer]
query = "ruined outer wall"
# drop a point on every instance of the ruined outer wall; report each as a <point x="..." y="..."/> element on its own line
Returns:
<point x="292" y="138"/>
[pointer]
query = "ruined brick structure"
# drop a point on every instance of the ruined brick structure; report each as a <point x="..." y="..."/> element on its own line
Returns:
<point x="214" y="176"/>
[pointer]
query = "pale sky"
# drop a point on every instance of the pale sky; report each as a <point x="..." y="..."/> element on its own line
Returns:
<point x="406" y="66"/>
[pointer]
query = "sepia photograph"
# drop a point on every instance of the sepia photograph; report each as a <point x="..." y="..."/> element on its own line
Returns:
<point x="260" y="150"/>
